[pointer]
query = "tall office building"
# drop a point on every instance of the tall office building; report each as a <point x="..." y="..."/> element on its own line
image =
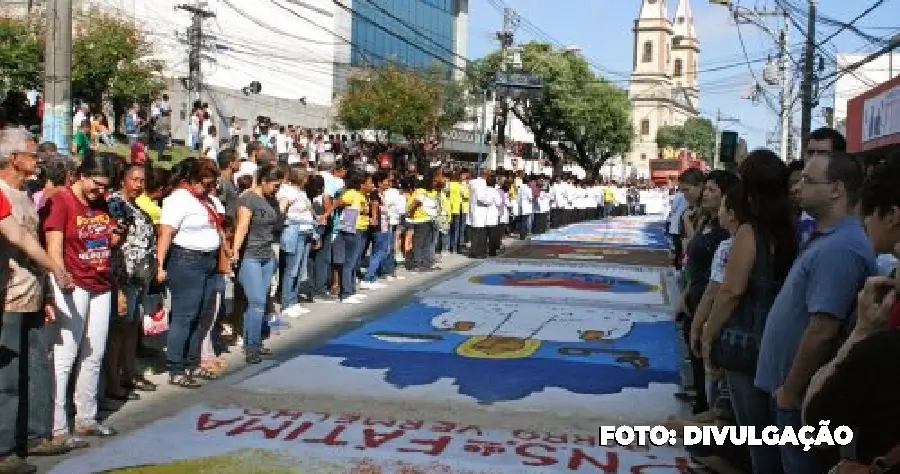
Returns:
<point x="414" y="33"/>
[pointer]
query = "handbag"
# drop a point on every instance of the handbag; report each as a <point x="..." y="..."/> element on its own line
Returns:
<point x="156" y="323"/>
<point x="736" y="347"/>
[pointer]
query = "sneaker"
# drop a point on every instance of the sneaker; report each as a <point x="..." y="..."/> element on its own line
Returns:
<point x="13" y="464"/>
<point x="399" y="277"/>
<point x="360" y="296"/>
<point x="351" y="300"/>
<point x="399" y="258"/>
<point x="277" y="323"/>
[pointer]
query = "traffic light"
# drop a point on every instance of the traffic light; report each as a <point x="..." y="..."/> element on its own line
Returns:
<point x="728" y="147"/>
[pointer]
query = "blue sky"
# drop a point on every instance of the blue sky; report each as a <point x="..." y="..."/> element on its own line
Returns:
<point x="602" y="28"/>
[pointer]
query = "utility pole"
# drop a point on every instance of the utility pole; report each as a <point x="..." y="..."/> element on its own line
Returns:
<point x="510" y="21"/>
<point x="57" y="119"/>
<point x="483" y="125"/>
<point x="785" y="92"/>
<point x="808" y="76"/>
<point x="719" y="119"/>
<point x="195" y="38"/>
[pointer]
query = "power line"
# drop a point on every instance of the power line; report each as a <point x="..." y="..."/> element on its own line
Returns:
<point x="875" y="5"/>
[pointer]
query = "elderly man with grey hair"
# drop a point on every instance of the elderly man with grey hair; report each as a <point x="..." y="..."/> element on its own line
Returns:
<point x="24" y="370"/>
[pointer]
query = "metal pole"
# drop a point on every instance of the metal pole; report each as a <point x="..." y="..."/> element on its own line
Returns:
<point x="484" y="106"/>
<point x="715" y="163"/>
<point x="197" y="51"/>
<point x="808" y="65"/>
<point x="500" y="114"/>
<point x="785" y="90"/>
<point x="57" y="119"/>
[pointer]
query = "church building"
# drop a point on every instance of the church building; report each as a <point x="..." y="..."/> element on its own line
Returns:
<point x="664" y="86"/>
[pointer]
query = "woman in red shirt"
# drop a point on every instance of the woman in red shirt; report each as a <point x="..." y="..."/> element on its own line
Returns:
<point x="80" y="235"/>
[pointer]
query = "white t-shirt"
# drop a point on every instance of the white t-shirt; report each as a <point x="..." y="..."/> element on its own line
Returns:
<point x="247" y="168"/>
<point x="395" y="203"/>
<point x="191" y="221"/>
<point x="299" y="207"/>
<point x="211" y="144"/>
<point x="720" y="258"/>
<point x="282" y="143"/>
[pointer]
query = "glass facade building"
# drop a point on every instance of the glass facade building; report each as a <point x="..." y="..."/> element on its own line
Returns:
<point x="427" y="29"/>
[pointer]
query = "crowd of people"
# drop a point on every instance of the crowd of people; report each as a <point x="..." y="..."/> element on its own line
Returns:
<point x="107" y="251"/>
<point x="789" y="305"/>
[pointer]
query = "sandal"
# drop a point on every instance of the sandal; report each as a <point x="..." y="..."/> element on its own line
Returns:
<point x="96" y="429"/>
<point x="183" y="381"/>
<point x="71" y="442"/>
<point x="140" y="384"/>
<point x="207" y="373"/>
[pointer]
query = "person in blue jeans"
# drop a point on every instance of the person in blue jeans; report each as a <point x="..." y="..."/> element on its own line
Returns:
<point x="353" y="227"/>
<point x="380" y="229"/>
<point x="188" y="245"/>
<point x="253" y="246"/>
<point x="296" y="239"/>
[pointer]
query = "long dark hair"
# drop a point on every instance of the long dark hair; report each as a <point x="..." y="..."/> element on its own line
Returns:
<point x="765" y="204"/>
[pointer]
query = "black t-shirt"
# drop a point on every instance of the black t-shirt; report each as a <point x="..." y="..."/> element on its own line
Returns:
<point x="863" y="394"/>
<point x="375" y="219"/>
<point x="700" y="253"/>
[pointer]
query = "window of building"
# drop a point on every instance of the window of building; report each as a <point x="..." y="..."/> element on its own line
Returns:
<point x="643" y="157"/>
<point x="648" y="52"/>
<point x="645" y="127"/>
<point x="679" y="66"/>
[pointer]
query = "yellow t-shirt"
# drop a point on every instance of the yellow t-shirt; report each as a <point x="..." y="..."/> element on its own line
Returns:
<point x="608" y="196"/>
<point x="455" y="197"/>
<point x="355" y="200"/>
<point x="420" y="214"/>
<point x="149" y="206"/>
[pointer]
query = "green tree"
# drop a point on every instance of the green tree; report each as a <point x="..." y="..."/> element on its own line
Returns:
<point x="21" y="68"/>
<point x="110" y="59"/>
<point x="586" y="114"/>
<point x="700" y="136"/>
<point x="697" y="134"/>
<point x="412" y="104"/>
<point x="670" y="136"/>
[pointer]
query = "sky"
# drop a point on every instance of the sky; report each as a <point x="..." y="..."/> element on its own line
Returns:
<point x="602" y="29"/>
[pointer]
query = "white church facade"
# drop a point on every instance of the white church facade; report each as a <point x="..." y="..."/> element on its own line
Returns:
<point x="664" y="87"/>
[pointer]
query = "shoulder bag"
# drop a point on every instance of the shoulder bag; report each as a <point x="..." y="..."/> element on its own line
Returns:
<point x="736" y="348"/>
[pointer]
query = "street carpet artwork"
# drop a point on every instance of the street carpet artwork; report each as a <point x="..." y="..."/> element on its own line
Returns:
<point x="573" y="281"/>
<point x="518" y="356"/>
<point x="593" y="253"/>
<point x="203" y="440"/>
<point x="636" y="232"/>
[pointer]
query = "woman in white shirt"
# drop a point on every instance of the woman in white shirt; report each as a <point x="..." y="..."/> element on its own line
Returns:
<point x="492" y="222"/>
<point x="188" y="248"/>
<point x="296" y="238"/>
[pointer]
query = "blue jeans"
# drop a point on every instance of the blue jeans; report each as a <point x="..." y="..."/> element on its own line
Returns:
<point x="26" y="381"/>
<point x="296" y="266"/>
<point x="793" y="459"/>
<point x="321" y="264"/>
<point x="348" y="269"/>
<point x="451" y="243"/>
<point x="526" y="221"/>
<point x="389" y="264"/>
<point x="192" y="282"/>
<point x="255" y="276"/>
<point x="753" y="407"/>
<point x="381" y="252"/>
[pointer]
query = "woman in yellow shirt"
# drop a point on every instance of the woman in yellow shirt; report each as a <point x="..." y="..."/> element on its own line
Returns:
<point x="423" y="210"/>
<point x="353" y="230"/>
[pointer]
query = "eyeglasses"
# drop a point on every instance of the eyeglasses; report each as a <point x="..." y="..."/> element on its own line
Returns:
<point x="804" y="179"/>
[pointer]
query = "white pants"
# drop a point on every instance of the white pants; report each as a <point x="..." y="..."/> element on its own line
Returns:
<point x="82" y="321"/>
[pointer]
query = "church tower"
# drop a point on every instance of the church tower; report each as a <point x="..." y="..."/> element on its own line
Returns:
<point x="685" y="57"/>
<point x="651" y="82"/>
<point x="663" y="89"/>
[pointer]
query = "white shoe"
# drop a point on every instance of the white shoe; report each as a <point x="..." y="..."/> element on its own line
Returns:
<point x="389" y="278"/>
<point x="296" y="311"/>
<point x="351" y="300"/>
<point x="370" y="285"/>
<point x="360" y="296"/>
<point x="399" y="277"/>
